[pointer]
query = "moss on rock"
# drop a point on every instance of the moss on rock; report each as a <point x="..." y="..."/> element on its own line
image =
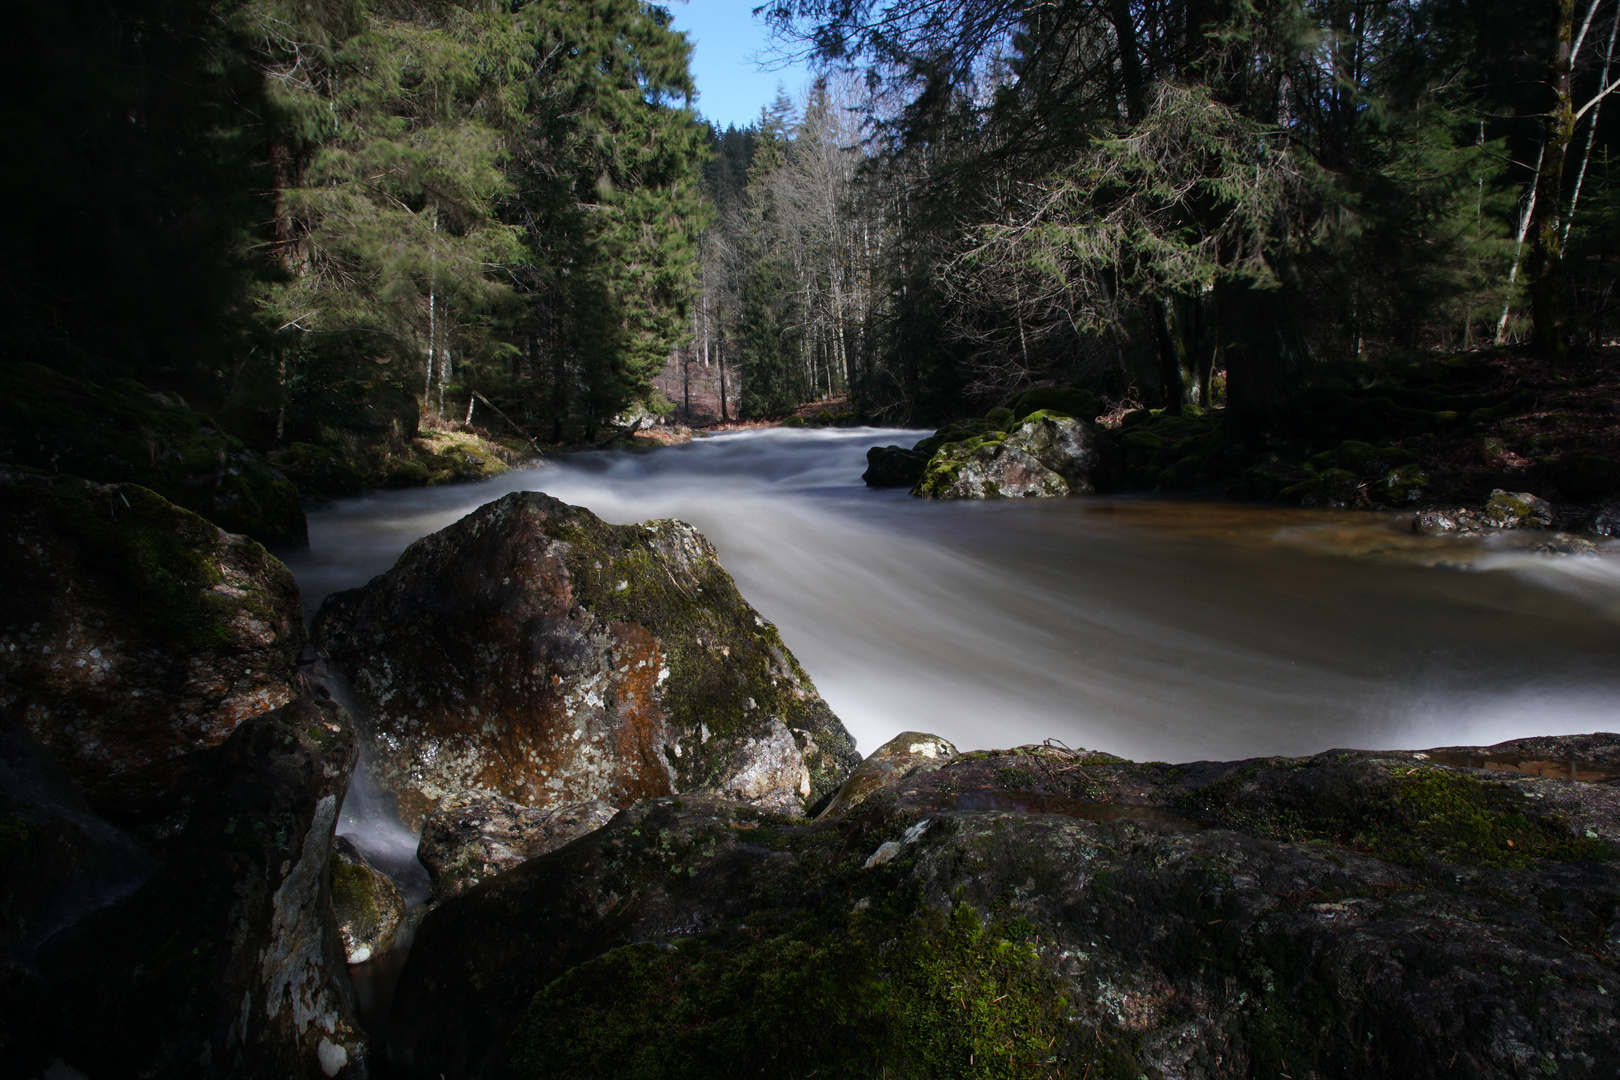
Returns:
<point x="125" y="433"/>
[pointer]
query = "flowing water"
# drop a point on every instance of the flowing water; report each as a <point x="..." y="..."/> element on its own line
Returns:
<point x="1151" y="628"/>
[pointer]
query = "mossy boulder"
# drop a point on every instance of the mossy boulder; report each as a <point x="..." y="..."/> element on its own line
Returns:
<point x="1061" y="400"/>
<point x="365" y="903"/>
<point x="1046" y="912"/>
<point x="134" y="634"/>
<point x="320" y="473"/>
<point x="1045" y="456"/>
<point x="1517" y="510"/>
<point x="1331" y="487"/>
<point x="474" y="835"/>
<point x="533" y="650"/>
<point x="124" y="433"/>
<point x="226" y="962"/>
<point x="956" y="432"/>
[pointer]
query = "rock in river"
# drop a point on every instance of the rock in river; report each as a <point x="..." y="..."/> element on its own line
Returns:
<point x="533" y="650"/>
<point x="475" y="835"/>
<point x="1045" y="456"/>
<point x="134" y="634"/>
<point x="366" y="903"/>
<point x="1039" y="912"/>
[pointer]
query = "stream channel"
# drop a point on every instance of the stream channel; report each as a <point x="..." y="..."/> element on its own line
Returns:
<point x="1153" y="628"/>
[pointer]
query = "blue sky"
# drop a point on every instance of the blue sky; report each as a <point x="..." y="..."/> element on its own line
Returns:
<point x="732" y="87"/>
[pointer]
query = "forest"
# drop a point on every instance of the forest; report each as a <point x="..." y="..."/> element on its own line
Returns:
<point x="332" y="227"/>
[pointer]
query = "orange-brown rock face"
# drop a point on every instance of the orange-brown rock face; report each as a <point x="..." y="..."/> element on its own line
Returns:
<point x="533" y="650"/>
<point x="134" y="634"/>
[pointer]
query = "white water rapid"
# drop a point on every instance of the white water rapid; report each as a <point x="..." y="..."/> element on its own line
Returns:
<point x="1150" y="628"/>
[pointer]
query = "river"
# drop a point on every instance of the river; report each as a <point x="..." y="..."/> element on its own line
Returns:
<point x="1153" y="628"/>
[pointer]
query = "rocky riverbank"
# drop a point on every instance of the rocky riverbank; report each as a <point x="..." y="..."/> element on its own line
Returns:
<point x="651" y="850"/>
<point x="1483" y="441"/>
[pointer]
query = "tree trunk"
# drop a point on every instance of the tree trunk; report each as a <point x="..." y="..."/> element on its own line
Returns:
<point x="1547" y="307"/>
<point x="1172" y="354"/>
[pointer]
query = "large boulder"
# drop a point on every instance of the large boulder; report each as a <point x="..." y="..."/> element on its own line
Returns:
<point x="133" y="635"/>
<point x="533" y="650"/>
<point x="475" y="835"/>
<point x="226" y="962"/>
<point x="1045" y="456"/>
<point x="1054" y="913"/>
<point x="124" y="433"/>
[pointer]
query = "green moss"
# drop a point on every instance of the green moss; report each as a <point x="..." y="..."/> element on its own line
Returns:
<point x="1062" y="401"/>
<point x="353" y="894"/>
<point x="162" y="558"/>
<point x="1015" y="778"/>
<point x="913" y="993"/>
<point x="123" y="433"/>
<point x="1416" y="814"/>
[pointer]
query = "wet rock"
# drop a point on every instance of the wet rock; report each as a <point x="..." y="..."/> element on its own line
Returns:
<point x="1517" y="510"/>
<point x="58" y="861"/>
<point x="1448" y="521"/>
<point x="227" y="961"/>
<point x="893" y="466"/>
<point x="907" y="752"/>
<point x="133" y="635"/>
<point x="124" y="433"/>
<point x="1607" y="522"/>
<point x="475" y="835"/>
<point x="366" y="904"/>
<point x="533" y="650"/>
<point x="1045" y="456"/>
<point x="1066" y="914"/>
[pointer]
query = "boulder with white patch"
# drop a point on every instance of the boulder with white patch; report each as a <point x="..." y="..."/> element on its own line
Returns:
<point x="535" y="651"/>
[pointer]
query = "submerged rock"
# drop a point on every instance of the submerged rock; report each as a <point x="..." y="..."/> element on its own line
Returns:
<point x="227" y="961"/>
<point x="475" y="835"/>
<point x="893" y="466"/>
<point x="1045" y="456"/>
<point x="366" y="904"/>
<point x="133" y="635"/>
<point x="533" y="650"/>
<point x="1060" y="914"/>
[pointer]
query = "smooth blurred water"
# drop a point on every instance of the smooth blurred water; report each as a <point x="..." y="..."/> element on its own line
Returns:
<point x="1151" y="628"/>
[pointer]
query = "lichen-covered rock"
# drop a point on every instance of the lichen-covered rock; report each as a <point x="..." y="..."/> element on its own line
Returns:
<point x="124" y="433"/>
<point x="533" y="650"/>
<point x="1517" y="510"/>
<point x="134" y="634"/>
<point x="366" y="904"/>
<point x="227" y="961"/>
<point x="893" y="466"/>
<point x="475" y="835"/>
<point x="1045" y="456"/>
<point x="1040" y="912"/>
<point x="896" y="759"/>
